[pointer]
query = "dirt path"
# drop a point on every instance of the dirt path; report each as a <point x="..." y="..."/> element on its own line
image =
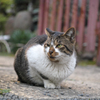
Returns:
<point x="83" y="83"/>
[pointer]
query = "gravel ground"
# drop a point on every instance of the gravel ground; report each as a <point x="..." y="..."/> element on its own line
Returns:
<point x="84" y="83"/>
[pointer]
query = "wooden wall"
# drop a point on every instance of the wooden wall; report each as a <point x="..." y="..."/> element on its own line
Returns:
<point x="59" y="15"/>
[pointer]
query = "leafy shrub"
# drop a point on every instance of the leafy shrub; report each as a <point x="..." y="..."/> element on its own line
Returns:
<point x="4" y="5"/>
<point x="19" y="38"/>
<point x="23" y="4"/>
<point x="2" y="21"/>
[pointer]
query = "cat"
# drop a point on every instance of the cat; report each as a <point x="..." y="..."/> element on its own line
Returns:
<point x="48" y="59"/>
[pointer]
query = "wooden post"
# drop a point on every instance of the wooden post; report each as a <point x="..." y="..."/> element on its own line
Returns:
<point x="60" y="14"/>
<point x="74" y="12"/>
<point x="81" y="26"/>
<point x="66" y="15"/>
<point x="98" y="54"/>
<point x="53" y="15"/>
<point x="41" y="17"/>
<point x="98" y="34"/>
<point x="46" y="14"/>
<point x="92" y="19"/>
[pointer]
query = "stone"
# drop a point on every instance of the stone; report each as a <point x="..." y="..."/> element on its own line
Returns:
<point x="9" y="26"/>
<point x="81" y="95"/>
<point x="62" y="93"/>
<point x="23" y="21"/>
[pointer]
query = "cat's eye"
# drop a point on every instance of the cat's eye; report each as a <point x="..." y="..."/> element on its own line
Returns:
<point x="47" y="45"/>
<point x="59" y="45"/>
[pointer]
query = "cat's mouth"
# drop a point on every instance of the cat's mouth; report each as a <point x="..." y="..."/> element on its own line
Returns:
<point x="53" y="59"/>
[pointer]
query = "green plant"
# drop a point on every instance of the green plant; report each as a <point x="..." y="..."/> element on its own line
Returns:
<point x="19" y="38"/>
<point x="21" y="4"/>
<point x="3" y="91"/>
<point x="86" y="63"/>
<point x="6" y="54"/>
<point x="4" y="5"/>
<point x="2" y="21"/>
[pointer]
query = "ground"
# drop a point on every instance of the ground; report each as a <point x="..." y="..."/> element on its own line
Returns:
<point x="84" y="83"/>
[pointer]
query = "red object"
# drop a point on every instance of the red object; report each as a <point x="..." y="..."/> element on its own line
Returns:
<point x="46" y="14"/>
<point x="81" y="26"/>
<point x="92" y="19"/>
<point x="53" y="15"/>
<point x="98" y="54"/>
<point x="66" y="15"/>
<point x="74" y="12"/>
<point x="60" y="13"/>
<point x="41" y="17"/>
<point x="98" y="33"/>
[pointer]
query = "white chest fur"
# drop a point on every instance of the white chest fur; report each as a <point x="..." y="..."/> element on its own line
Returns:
<point x="55" y="71"/>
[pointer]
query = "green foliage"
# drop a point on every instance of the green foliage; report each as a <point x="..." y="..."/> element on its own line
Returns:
<point x="35" y="3"/>
<point x="6" y="54"/>
<point x="4" y="5"/>
<point x="2" y="18"/>
<point x="86" y="63"/>
<point x="3" y="91"/>
<point x="19" y="38"/>
<point x="2" y="21"/>
<point x="21" y="4"/>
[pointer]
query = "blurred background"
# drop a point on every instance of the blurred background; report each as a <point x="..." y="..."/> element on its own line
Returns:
<point x="20" y="20"/>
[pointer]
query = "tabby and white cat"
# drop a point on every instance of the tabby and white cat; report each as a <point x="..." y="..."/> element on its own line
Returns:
<point x="48" y="59"/>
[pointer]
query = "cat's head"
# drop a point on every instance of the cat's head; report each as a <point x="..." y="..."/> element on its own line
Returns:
<point x="59" y="43"/>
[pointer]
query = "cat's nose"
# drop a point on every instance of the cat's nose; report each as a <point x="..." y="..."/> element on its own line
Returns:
<point x="50" y="52"/>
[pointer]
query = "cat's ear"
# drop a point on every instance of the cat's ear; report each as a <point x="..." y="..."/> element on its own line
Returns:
<point x="70" y="33"/>
<point x="48" y="32"/>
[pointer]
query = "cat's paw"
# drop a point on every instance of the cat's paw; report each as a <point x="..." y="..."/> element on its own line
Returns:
<point x="48" y="84"/>
<point x="58" y="86"/>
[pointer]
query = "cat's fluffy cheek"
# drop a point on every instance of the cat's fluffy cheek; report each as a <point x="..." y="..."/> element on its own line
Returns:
<point x="60" y="54"/>
<point x="58" y="51"/>
<point x="46" y="50"/>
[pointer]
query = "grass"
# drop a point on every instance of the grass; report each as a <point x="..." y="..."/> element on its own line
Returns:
<point x="86" y="62"/>
<point x="6" y="54"/>
<point x="3" y="91"/>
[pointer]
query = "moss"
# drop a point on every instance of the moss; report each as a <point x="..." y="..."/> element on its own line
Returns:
<point x="86" y="62"/>
<point x="3" y="91"/>
<point x="6" y="54"/>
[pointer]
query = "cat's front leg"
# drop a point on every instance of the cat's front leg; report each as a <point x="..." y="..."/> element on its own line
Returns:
<point x="49" y="84"/>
